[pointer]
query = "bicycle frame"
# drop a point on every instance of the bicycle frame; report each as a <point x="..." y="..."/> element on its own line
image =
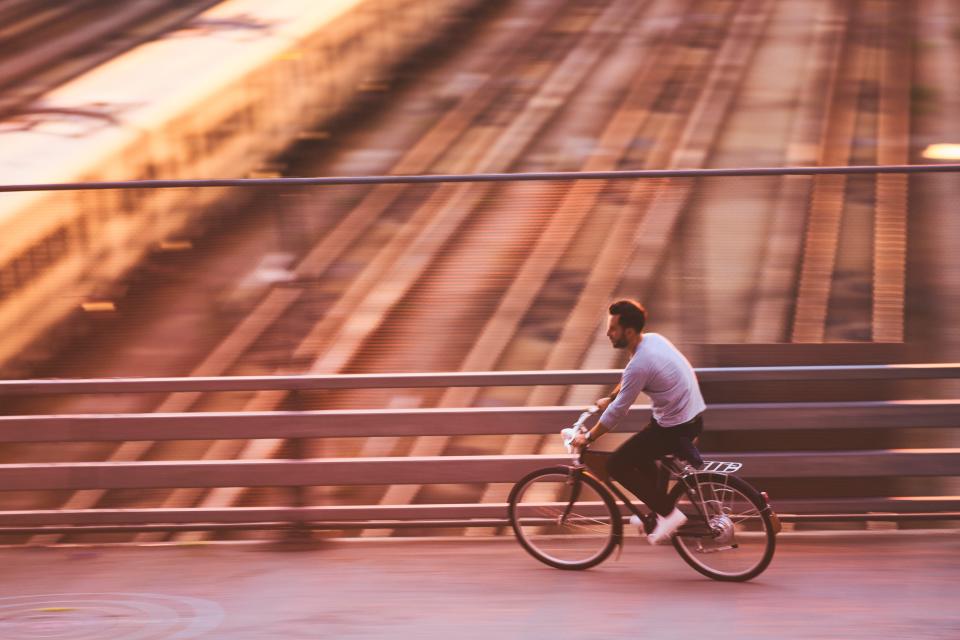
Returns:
<point x="593" y="463"/>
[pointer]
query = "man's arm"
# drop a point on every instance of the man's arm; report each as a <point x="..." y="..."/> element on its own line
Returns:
<point x="603" y="402"/>
<point x="616" y="407"/>
<point x="622" y="398"/>
<point x="598" y="429"/>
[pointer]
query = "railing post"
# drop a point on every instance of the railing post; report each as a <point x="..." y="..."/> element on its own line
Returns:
<point x="298" y="532"/>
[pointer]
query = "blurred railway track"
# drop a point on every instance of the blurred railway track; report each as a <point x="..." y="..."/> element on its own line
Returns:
<point x="869" y="101"/>
<point x="45" y="43"/>
<point x="774" y="305"/>
<point x="893" y="146"/>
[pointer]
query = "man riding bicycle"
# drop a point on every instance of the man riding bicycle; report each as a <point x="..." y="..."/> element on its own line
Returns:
<point x="658" y="369"/>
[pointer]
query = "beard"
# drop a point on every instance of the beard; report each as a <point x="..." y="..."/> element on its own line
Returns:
<point x="619" y="343"/>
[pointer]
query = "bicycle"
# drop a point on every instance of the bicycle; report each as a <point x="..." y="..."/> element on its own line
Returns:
<point x="567" y="517"/>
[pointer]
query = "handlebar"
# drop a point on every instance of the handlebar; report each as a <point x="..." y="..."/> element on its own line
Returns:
<point x="578" y="427"/>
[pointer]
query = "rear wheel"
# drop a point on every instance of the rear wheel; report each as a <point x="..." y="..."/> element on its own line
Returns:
<point x="564" y="518"/>
<point x="730" y="534"/>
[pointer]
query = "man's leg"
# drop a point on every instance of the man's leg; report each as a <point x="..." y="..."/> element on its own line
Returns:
<point x="634" y="466"/>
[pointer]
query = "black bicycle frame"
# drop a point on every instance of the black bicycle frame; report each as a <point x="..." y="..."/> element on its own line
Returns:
<point x="593" y="463"/>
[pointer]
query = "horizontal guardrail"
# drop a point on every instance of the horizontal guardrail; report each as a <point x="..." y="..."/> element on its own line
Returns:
<point x="333" y="516"/>
<point x="439" y="470"/>
<point x="416" y="524"/>
<point x="457" y="422"/>
<point x="298" y="473"/>
<point x="465" y="379"/>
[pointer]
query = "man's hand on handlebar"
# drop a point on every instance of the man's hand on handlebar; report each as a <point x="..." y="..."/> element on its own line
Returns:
<point x="579" y="441"/>
<point x="576" y="437"/>
<point x="603" y="402"/>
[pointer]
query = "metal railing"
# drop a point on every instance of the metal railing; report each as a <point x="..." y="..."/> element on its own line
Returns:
<point x="624" y="174"/>
<point x="297" y="425"/>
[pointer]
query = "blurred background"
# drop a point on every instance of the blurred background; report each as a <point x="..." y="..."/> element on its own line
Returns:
<point x="471" y="276"/>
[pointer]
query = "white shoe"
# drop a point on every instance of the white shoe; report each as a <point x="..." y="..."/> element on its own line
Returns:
<point x="666" y="526"/>
<point x="642" y="523"/>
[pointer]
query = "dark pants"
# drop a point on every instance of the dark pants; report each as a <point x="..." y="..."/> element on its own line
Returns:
<point x="634" y="466"/>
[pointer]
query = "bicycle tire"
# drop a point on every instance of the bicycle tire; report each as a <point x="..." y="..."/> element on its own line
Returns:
<point x="609" y="524"/>
<point x="701" y="560"/>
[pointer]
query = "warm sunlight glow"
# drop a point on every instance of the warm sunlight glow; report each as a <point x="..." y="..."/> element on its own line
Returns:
<point x="942" y="151"/>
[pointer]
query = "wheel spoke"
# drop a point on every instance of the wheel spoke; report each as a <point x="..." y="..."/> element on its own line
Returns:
<point x="753" y="514"/>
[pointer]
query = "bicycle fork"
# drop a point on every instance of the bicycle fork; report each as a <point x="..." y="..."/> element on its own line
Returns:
<point x="573" y="480"/>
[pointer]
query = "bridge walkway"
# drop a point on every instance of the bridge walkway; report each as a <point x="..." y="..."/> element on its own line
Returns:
<point x="896" y="584"/>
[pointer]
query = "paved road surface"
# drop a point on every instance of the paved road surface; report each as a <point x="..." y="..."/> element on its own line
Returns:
<point x="876" y="585"/>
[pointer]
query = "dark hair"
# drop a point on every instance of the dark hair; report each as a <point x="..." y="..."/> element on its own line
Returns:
<point x="632" y="314"/>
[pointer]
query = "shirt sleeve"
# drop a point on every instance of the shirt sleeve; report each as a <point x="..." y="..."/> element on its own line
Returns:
<point x="631" y="384"/>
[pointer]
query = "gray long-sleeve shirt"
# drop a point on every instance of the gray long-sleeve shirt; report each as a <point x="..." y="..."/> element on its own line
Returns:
<point x="664" y="374"/>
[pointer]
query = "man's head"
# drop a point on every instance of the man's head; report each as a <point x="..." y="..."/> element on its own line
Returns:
<point x="627" y="318"/>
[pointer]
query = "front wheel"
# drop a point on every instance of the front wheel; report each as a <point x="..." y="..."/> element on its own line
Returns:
<point x="730" y="534"/>
<point x="564" y="518"/>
